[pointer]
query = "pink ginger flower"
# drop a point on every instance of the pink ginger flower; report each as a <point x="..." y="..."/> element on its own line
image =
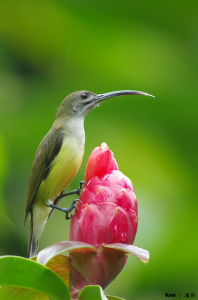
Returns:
<point x="107" y="212"/>
<point x="106" y="215"/>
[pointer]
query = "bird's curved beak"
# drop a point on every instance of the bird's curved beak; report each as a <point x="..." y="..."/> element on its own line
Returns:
<point x="100" y="97"/>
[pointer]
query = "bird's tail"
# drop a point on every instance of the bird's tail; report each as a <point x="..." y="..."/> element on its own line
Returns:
<point x="33" y="245"/>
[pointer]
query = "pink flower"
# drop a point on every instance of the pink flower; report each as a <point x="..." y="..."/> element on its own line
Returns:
<point x="106" y="215"/>
<point x="107" y="212"/>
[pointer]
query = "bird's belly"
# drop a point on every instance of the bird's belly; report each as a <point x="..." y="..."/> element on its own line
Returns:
<point x="63" y="169"/>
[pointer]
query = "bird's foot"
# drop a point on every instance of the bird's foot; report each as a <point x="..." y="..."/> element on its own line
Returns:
<point x="74" y="192"/>
<point x="66" y="210"/>
<point x="79" y="189"/>
<point x="82" y="184"/>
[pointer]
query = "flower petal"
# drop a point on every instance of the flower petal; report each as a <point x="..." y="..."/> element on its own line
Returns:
<point x="46" y="254"/>
<point x="140" y="253"/>
<point x="101" y="161"/>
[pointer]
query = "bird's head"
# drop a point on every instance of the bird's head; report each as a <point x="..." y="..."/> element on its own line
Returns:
<point x="79" y="104"/>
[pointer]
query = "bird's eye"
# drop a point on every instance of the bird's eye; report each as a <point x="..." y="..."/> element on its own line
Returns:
<point x="84" y="95"/>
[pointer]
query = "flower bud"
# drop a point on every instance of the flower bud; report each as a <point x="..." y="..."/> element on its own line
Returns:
<point x="106" y="218"/>
<point x="107" y="212"/>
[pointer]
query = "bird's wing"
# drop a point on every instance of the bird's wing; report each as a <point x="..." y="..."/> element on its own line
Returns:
<point x="45" y="154"/>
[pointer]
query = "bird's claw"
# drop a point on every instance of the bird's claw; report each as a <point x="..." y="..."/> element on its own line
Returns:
<point x="73" y="206"/>
<point x="66" y="210"/>
<point x="82" y="183"/>
<point x="67" y="216"/>
<point x="79" y="189"/>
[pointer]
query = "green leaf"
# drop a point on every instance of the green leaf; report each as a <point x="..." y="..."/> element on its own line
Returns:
<point x="13" y="293"/>
<point x="24" y="273"/>
<point x="114" y="298"/>
<point x="91" y="292"/>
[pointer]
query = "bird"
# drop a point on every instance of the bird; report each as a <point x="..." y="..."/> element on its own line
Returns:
<point x="58" y="159"/>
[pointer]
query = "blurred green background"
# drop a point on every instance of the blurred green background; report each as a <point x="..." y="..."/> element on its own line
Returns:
<point x="51" y="48"/>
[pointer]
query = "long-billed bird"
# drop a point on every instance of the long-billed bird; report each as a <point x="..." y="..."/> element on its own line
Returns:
<point x="58" y="158"/>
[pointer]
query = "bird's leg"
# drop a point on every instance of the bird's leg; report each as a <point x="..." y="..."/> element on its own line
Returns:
<point x="65" y="210"/>
<point x="74" y="192"/>
<point x="62" y="195"/>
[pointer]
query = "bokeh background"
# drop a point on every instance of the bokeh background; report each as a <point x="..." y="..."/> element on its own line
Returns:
<point x="51" y="48"/>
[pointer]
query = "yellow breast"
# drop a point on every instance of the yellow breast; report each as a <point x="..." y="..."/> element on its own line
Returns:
<point x="63" y="169"/>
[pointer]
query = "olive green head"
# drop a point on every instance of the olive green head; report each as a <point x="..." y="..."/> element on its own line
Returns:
<point x="79" y="104"/>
